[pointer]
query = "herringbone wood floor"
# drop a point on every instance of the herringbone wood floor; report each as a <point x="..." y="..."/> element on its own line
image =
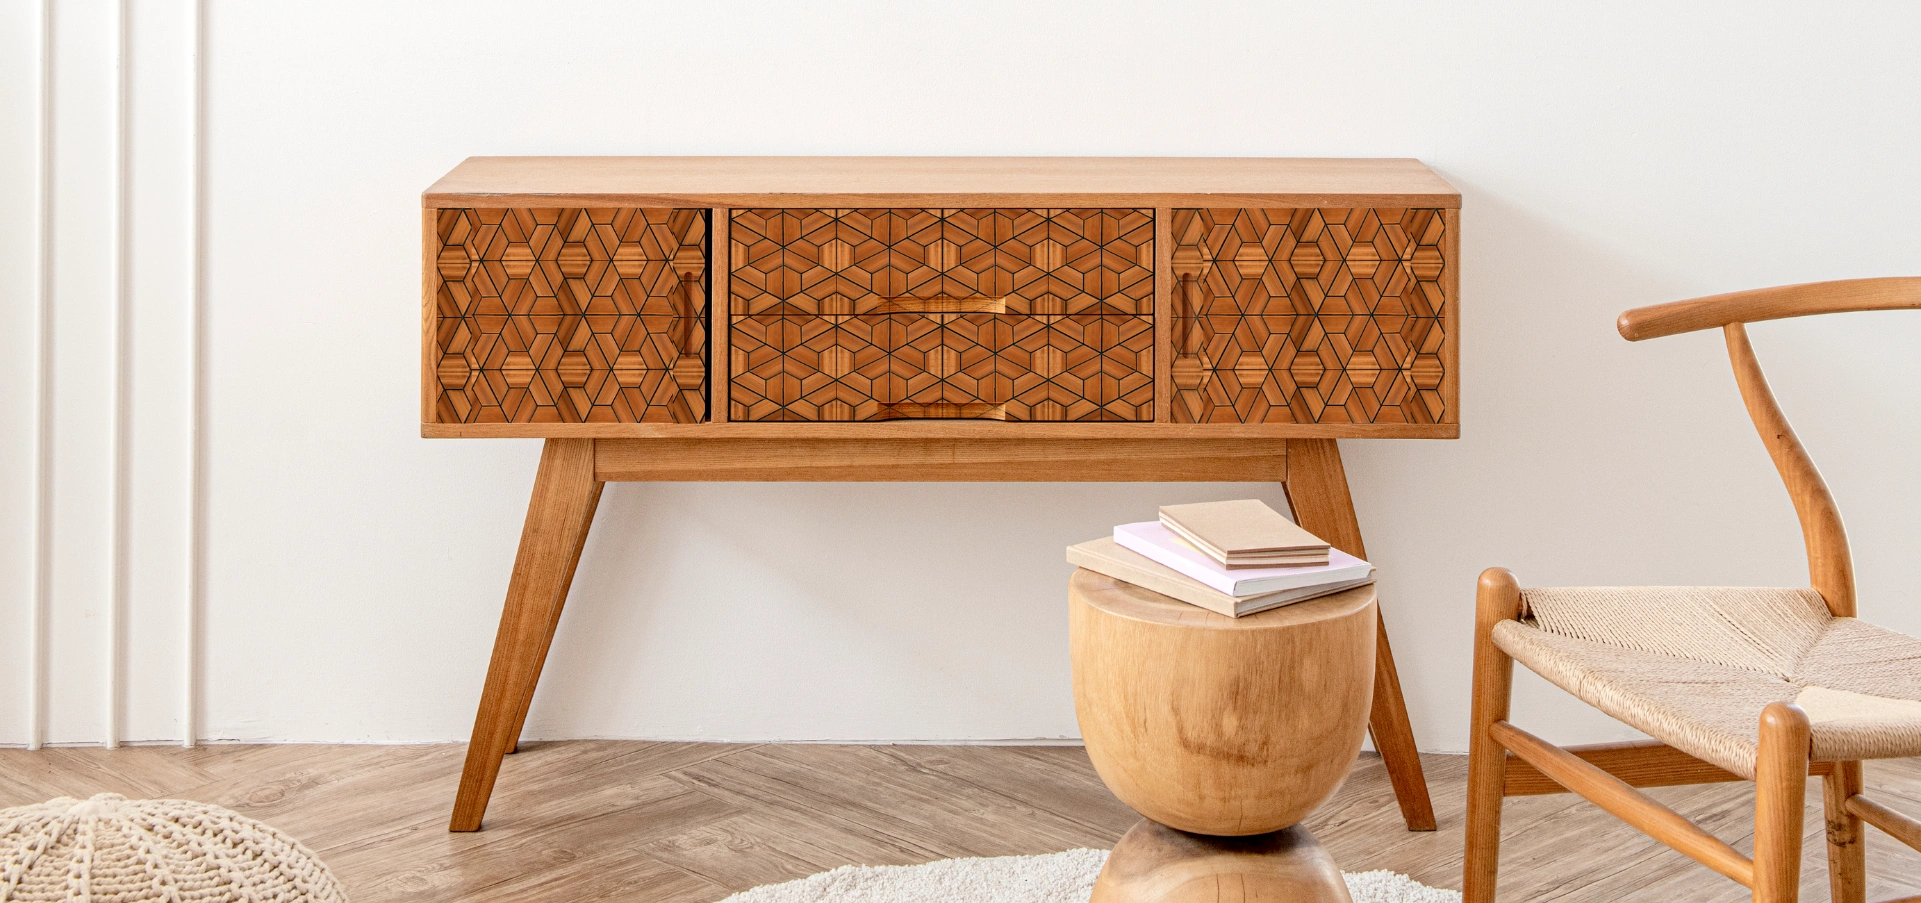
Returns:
<point x="672" y="822"/>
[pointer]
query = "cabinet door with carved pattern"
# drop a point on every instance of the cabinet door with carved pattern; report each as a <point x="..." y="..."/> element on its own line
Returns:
<point x="570" y="315"/>
<point x="1306" y="315"/>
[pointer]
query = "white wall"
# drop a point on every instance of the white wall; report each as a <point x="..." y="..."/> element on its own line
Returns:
<point x="1607" y="159"/>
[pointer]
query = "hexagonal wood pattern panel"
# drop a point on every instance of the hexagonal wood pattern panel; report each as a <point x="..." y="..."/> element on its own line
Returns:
<point x="975" y="365"/>
<point x="1041" y="261"/>
<point x="1309" y="316"/>
<point x="568" y="315"/>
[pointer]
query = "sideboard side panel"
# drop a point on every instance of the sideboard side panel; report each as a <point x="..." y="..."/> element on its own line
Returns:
<point x="1451" y="319"/>
<point x="429" y="314"/>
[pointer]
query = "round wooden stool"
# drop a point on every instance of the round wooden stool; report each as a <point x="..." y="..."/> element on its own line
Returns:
<point x="1223" y="732"/>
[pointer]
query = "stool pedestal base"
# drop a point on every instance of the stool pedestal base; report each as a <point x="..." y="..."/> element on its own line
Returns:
<point x="1154" y="863"/>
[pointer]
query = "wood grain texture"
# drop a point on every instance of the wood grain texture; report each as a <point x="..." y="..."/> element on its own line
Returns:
<point x="691" y="822"/>
<point x="569" y="315"/>
<point x="1163" y="313"/>
<point x="1898" y="826"/>
<point x="429" y="312"/>
<point x="719" y="265"/>
<point x="1754" y="305"/>
<point x="1780" y="803"/>
<point x="946" y="460"/>
<point x="1642" y="763"/>
<point x="940" y="182"/>
<point x="1830" y="564"/>
<point x="1317" y="492"/>
<point x="1497" y="599"/>
<point x="941" y="429"/>
<point x="802" y="261"/>
<point x="558" y="517"/>
<point x="1628" y="804"/>
<point x="1217" y="725"/>
<point x="1846" y="834"/>
<point x="1153" y="863"/>
<point x="1312" y="315"/>
<point x="1021" y="314"/>
<point x="553" y="619"/>
<point x="1084" y="367"/>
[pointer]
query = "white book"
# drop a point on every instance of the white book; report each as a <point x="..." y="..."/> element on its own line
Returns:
<point x="1153" y="540"/>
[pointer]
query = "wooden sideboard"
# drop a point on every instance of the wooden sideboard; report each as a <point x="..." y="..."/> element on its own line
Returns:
<point x="930" y="318"/>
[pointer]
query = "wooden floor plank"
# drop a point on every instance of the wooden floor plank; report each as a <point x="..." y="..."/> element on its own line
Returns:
<point x="921" y="808"/>
<point x="693" y="822"/>
<point x="744" y="851"/>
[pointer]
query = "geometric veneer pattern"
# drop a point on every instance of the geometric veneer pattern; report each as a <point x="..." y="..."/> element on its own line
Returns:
<point x="943" y="365"/>
<point x="1041" y="261"/>
<point x="570" y="315"/>
<point x="1329" y="315"/>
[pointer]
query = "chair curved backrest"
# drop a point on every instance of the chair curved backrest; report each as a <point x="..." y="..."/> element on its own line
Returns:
<point x="1830" y="566"/>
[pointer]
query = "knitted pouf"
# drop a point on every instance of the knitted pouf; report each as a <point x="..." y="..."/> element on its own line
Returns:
<point x="111" y="849"/>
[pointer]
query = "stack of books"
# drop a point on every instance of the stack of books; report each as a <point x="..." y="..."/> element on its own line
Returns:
<point x="1234" y="558"/>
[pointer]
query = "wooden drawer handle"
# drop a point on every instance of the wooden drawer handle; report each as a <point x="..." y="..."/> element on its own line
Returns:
<point x="941" y="304"/>
<point x="684" y="314"/>
<point x="1183" y="313"/>
<point x="942" y="410"/>
<point x="1186" y="370"/>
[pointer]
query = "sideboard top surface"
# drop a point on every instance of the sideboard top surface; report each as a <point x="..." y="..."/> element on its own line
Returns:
<point x="941" y="182"/>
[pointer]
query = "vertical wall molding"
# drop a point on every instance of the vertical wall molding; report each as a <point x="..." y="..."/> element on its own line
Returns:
<point x="40" y="605"/>
<point x="196" y="407"/>
<point x="118" y="490"/>
<point x="114" y="372"/>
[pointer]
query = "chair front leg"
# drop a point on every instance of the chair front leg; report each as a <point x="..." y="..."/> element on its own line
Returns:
<point x="1847" y="836"/>
<point x="1498" y="599"/>
<point x="1780" y="802"/>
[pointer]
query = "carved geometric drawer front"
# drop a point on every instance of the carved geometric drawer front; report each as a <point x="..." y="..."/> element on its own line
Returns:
<point x="897" y="313"/>
<point x="1039" y="261"/>
<point x="568" y="315"/>
<point x="943" y="365"/>
<point x="1327" y="315"/>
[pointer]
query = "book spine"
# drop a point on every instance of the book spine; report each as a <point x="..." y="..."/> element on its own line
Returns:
<point x="1195" y="596"/>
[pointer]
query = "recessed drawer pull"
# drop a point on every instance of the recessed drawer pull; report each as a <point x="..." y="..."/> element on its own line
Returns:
<point x="942" y="410"/>
<point x="1186" y="368"/>
<point x="685" y="316"/>
<point x="1183" y="313"/>
<point x="941" y="304"/>
<point x="690" y="372"/>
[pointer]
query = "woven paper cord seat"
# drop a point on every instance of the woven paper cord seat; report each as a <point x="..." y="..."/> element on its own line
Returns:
<point x="1694" y="666"/>
<point x="110" y="848"/>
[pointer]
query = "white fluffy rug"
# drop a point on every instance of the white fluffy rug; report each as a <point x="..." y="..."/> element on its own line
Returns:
<point x="1055" y="878"/>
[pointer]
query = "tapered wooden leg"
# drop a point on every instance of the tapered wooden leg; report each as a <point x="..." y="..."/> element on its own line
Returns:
<point x="1499" y="599"/>
<point x="553" y="622"/>
<point x="1780" y="801"/>
<point x="1847" y="836"/>
<point x="558" y="516"/>
<point x="1317" y="491"/>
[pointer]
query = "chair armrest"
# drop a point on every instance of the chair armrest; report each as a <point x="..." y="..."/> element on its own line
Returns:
<point x="1889" y="293"/>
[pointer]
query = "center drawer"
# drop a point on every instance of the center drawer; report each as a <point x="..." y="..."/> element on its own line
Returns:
<point x="884" y="314"/>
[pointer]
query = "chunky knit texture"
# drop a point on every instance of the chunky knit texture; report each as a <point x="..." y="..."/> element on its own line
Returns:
<point x="1693" y="666"/>
<point x="110" y="849"/>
